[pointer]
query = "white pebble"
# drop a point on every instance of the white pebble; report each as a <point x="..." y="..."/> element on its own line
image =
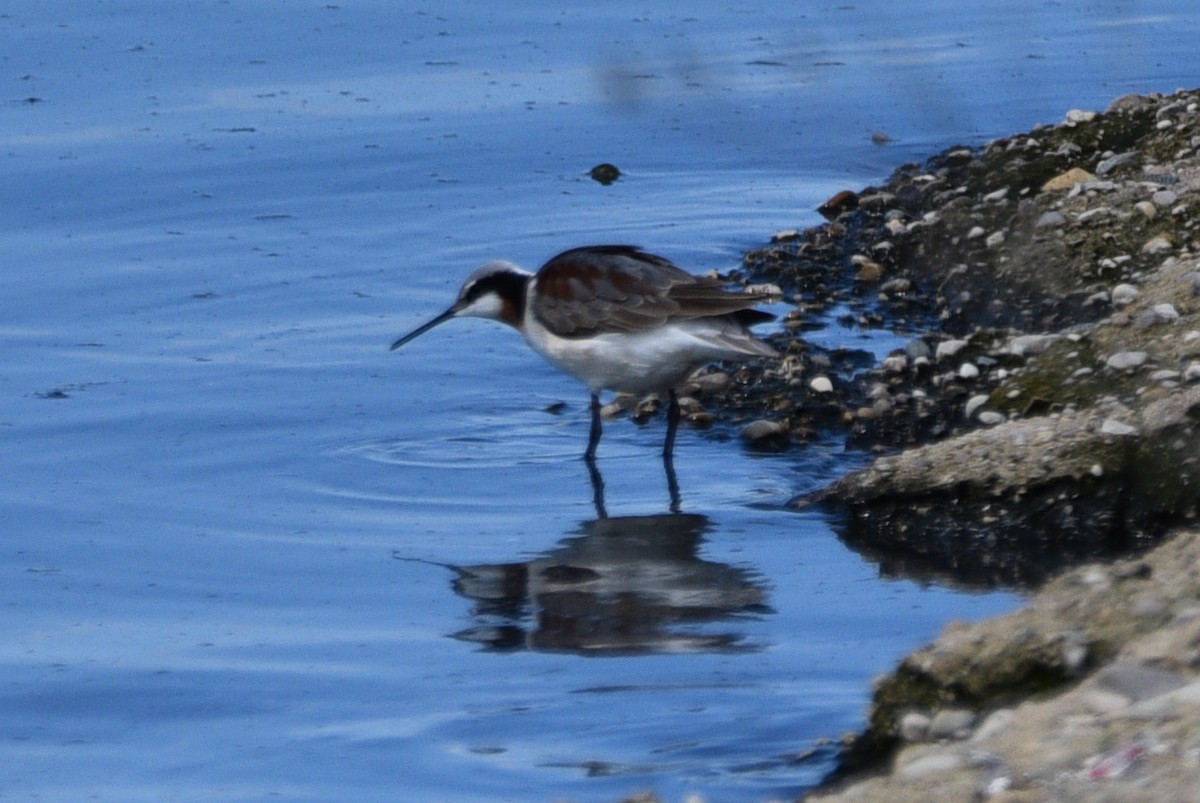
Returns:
<point x="1115" y="426"/>
<point x="968" y="371"/>
<point x="948" y="348"/>
<point x="1124" y="294"/>
<point x="821" y="384"/>
<point x="1167" y="312"/>
<point x="974" y="403"/>
<point x="1127" y="360"/>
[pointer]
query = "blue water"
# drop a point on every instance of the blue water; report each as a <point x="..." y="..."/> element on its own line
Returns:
<point x="248" y="553"/>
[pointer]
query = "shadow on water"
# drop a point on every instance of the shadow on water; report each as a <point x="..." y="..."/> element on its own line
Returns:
<point x="624" y="585"/>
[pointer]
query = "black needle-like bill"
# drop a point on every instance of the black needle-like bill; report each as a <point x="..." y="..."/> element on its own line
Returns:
<point x="425" y="327"/>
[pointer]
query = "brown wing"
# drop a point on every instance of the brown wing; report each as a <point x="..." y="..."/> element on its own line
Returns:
<point x="620" y="288"/>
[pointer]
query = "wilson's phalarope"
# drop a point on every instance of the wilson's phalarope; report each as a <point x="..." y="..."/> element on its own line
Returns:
<point x="617" y="318"/>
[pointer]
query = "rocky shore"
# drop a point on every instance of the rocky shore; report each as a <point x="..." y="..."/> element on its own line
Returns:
<point x="1043" y="416"/>
<point x="1038" y="431"/>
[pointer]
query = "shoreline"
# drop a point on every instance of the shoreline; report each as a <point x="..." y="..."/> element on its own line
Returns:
<point x="1040" y="432"/>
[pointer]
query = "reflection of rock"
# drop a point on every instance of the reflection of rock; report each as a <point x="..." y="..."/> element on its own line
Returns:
<point x="626" y="586"/>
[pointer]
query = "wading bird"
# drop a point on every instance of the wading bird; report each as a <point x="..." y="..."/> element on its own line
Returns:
<point x="617" y="318"/>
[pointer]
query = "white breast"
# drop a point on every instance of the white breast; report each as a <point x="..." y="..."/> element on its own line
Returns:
<point x="649" y="361"/>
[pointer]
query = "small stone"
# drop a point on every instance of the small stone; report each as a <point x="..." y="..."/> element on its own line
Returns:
<point x="1127" y="360"/>
<point x="1092" y="214"/>
<point x="1067" y="180"/>
<point x="1080" y="116"/>
<point x="1051" y="218"/>
<point x="821" y="384"/>
<point x="997" y="195"/>
<point x="1029" y="345"/>
<point x="974" y="403"/>
<point x="895" y="363"/>
<point x="1110" y="164"/>
<point x="951" y="723"/>
<point x="765" y="433"/>
<point x="1192" y="372"/>
<point x="976" y="232"/>
<point x="1157" y="245"/>
<point x="1164" y="198"/>
<point x="869" y="271"/>
<point x="949" y="348"/>
<point x="995" y="239"/>
<point x="917" y="349"/>
<point x="968" y="371"/>
<point x="1124" y="294"/>
<point x="914" y="727"/>
<point x="1115" y="426"/>
<point x="1147" y="209"/>
<point x="1166" y="312"/>
<point x="991" y="418"/>
<point x="931" y="763"/>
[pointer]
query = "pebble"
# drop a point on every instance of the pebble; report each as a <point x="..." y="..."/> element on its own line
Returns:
<point x="1113" y="162"/>
<point x="1192" y="372"/>
<point x="968" y="371"/>
<point x="1115" y="426"/>
<point x="1156" y="245"/>
<point x="1166" y="312"/>
<point x="1147" y="209"/>
<point x="763" y="431"/>
<point x="1067" y="180"/>
<point x="1029" y="345"/>
<point x="917" y="349"/>
<point x="1127" y="360"/>
<point x="949" y="348"/>
<point x="1055" y="218"/>
<point x="974" y="403"/>
<point x="951" y="723"/>
<point x="914" y="727"/>
<point x="1080" y="116"/>
<point x="1092" y="214"/>
<point x="821" y="384"/>
<point x="895" y="364"/>
<point x="996" y="195"/>
<point x="931" y="763"/>
<point x="1164" y="198"/>
<point x="995" y="239"/>
<point x="991" y="418"/>
<point x="976" y="232"/>
<point x="1124" y="294"/>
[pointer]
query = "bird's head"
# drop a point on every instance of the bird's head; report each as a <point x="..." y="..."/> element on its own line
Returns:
<point x="495" y="291"/>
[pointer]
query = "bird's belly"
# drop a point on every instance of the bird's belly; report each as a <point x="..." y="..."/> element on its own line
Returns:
<point x="636" y="362"/>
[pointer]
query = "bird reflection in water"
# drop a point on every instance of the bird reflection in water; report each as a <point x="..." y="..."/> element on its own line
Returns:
<point x="624" y="585"/>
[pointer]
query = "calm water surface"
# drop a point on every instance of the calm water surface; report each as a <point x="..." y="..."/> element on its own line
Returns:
<point x="248" y="553"/>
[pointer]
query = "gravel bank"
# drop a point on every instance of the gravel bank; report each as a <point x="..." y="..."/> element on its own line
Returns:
<point x="1044" y="415"/>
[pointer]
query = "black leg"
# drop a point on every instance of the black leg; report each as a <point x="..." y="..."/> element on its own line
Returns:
<point x="597" y="488"/>
<point x="672" y="425"/>
<point x="672" y="482"/>
<point x="594" y="434"/>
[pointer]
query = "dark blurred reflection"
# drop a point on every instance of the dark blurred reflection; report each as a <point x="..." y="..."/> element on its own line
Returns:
<point x="1015" y="542"/>
<point x="617" y="586"/>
